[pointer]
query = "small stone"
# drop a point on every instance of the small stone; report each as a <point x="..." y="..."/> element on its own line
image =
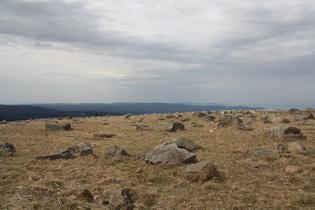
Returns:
<point x="139" y="170"/>
<point x="286" y="121"/>
<point x="141" y="127"/>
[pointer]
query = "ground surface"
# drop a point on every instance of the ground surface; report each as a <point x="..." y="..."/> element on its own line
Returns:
<point x="247" y="182"/>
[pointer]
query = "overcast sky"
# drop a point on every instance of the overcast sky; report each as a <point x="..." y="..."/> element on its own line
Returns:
<point x="245" y="52"/>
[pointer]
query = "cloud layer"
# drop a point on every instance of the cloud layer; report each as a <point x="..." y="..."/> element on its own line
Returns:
<point x="239" y="53"/>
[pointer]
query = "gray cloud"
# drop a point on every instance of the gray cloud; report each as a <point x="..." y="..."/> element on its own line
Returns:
<point x="195" y="47"/>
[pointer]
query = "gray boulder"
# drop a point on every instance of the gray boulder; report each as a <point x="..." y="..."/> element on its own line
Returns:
<point x="300" y="148"/>
<point x="82" y="149"/>
<point x="123" y="199"/>
<point x="183" y="143"/>
<point x="286" y="132"/>
<point x="281" y="130"/>
<point x="299" y="118"/>
<point x="85" y="149"/>
<point x="200" y="114"/>
<point x="202" y="171"/>
<point x="61" y="154"/>
<point x="7" y="148"/>
<point x="116" y="151"/>
<point x="54" y="125"/>
<point x="174" y="126"/>
<point x="169" y="154"/>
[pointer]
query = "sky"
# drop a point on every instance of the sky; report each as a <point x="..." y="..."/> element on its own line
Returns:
<point x="245" y="52"/>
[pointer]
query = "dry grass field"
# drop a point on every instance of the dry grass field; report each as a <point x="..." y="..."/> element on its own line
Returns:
<point x="247" y="182"/>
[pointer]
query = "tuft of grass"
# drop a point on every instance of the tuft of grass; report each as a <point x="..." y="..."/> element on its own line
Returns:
<point x="304" y="200"/>
<point x="55" y="183"/>
<point x="147" y="200"/>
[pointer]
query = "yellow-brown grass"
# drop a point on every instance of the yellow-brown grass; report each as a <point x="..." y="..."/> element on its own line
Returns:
<point x="246" y="182"/>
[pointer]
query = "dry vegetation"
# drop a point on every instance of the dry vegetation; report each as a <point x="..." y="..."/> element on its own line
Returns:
<point x="246" y="183"/>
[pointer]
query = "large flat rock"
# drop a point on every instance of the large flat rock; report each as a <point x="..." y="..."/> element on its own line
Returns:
<point x="169" y="154"/>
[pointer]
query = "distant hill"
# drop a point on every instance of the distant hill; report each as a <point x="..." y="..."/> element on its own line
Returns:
<point x="24" y="112"/>
<point x="35" y="111"/>
<point x="140" y="108"/>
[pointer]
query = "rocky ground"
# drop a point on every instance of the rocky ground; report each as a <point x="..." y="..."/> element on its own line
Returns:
<point x="239" y="160"/>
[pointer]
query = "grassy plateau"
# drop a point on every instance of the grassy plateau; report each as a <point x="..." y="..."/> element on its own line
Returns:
<point x="247" y="182"/>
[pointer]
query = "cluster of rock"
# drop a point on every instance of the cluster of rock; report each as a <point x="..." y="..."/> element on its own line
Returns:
<point x="179" y="151"/>
<point x="175" y="151"/>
